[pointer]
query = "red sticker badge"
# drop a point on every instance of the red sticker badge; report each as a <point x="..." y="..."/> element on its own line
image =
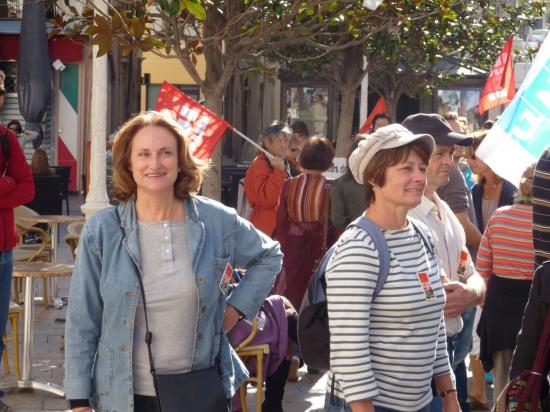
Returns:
<point x="424" y="280"/>
<point x="226" y="278"/>
<point x="461" y="270"/>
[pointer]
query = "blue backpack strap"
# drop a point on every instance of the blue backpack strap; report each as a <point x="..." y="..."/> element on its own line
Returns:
<point x="381" y="246"/>
<point x="423" y="235"/>
<point x="317" y="293"/>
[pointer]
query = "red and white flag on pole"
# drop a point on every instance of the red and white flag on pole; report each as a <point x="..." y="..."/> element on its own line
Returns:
<point x="501" y="84"/>
<point x="203" y="128"/>
<point x="379" y="107"/>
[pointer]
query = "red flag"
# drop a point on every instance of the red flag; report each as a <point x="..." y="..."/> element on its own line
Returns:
<point x="379" y="107"/>
<point x="501" y="84"/>
<point x="202" y="127"/>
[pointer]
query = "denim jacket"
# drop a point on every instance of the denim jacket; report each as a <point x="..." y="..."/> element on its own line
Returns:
<point x="104" y="295"/>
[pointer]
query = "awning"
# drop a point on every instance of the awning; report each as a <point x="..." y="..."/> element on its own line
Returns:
<point x="62" y="48"/>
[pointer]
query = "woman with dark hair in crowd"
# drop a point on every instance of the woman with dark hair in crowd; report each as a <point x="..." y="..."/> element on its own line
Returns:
<point x="40" y="165"/>
<point x="380" y="120"/>
<point x="302" y="219"/>
<point x="266" y="176"/>
<point x="491" y="191"/>
<point x="23" y="136"/>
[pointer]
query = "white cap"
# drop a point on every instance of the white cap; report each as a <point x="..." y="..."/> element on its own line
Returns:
<point x="387" y="137"/>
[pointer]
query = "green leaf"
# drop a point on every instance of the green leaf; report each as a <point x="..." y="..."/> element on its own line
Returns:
<point x="170" y="7"/>
<point x="195" y="7"/>
<point x="137" y="27"/>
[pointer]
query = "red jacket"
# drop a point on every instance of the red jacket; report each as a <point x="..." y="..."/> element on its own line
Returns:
<point x="16" y="188"/>
<point x="263" y="185"/>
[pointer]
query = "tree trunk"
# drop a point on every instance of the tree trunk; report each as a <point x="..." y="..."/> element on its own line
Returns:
<point x="211" y="186"/>
<point x="391" y="98"/>
<point x="345" y="122"/>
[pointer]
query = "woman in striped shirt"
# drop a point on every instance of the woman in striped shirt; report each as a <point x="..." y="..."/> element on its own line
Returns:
<point x="385" y="351"/>
<point x="505" y="260"/>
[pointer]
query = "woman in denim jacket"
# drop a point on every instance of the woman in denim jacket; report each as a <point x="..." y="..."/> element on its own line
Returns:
<point x="182" y="244"/>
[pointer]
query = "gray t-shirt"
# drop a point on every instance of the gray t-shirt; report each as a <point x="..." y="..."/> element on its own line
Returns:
<point x="459" y="198"/>
<point x="172" y="303"/>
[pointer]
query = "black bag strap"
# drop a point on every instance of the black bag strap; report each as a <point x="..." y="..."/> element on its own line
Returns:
<point x="148" y="333"/>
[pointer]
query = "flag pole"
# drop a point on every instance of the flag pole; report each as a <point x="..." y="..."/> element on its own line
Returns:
<point x="253" y="143"/>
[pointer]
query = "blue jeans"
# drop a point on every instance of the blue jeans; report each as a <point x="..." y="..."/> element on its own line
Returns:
<point x="437" y="403"/>
<point x="462" y="348"/>
<point x="6" y="269"/>
<point x="337" y="404"/>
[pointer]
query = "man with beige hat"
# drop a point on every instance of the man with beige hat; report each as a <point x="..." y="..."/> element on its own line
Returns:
<point x="463" y="286"/>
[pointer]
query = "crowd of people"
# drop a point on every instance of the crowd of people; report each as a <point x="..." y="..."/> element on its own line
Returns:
<point x="480" y="230"/>
<point x="462" y="245"/>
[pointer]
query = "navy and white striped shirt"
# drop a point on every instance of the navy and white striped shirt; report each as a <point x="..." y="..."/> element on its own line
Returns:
<point x="386" y="350"/>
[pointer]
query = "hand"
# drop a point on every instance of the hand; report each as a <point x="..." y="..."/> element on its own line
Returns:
<point x="277" y="163"/>
<point x="362" y="406"/>
<point x="450" y="403"/>
<point x="230" y="318"/>
<point x="459" y="297"/>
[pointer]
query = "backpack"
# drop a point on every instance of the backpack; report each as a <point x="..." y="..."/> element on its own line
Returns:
<point x="244" y="209"/>
<point x="313" y="328"/>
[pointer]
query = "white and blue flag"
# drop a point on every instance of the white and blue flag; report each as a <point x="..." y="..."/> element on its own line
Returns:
<point x="522" y="132"/>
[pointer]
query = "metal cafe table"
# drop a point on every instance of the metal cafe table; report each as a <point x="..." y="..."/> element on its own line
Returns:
<point x="53" y="221"/>
<point x="29" y="271"/>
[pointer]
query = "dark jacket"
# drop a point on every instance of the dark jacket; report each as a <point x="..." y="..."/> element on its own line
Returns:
<point x="532" y="325"/>
<point x="541" y="208"/>
<point x="506" y="198"/>
<point x="16" y="188"/>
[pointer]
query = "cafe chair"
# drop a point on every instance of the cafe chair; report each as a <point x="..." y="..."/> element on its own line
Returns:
<point x="13" y="339"/>
<point x="30" y="252"/>
<point x="48" y="195"/>
<point x="258" y="352"/>
<point x="73" y="236"/>
<point x="65" y="173"/>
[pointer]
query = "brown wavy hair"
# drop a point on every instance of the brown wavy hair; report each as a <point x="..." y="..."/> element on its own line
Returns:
<point x="191" y="169"/>
<point x="39" y="163"/>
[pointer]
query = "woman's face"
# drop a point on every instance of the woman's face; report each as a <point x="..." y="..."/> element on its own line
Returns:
<point x="477" y="165"/>
<point x="154" y="160"/>
<point x="277" y="146"/>
<point x="404" y="183"/>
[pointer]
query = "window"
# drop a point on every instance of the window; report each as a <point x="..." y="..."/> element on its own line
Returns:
<point x="10" y="70"/>
<point x="464" y="101"/>
<point x="153" y="93"/>
<point x="310" y="105"/>
<point x="11" y="9"/>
